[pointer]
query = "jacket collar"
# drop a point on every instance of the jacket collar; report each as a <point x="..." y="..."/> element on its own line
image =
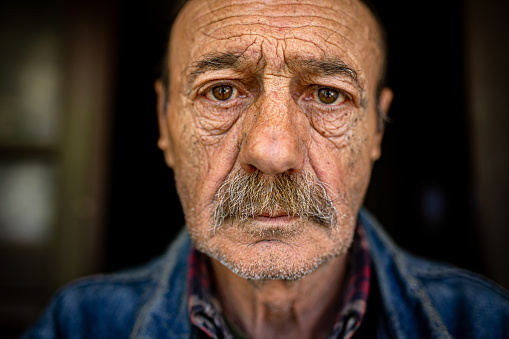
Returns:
<point x="164" y="312"/>
<point x="406" y="304"/>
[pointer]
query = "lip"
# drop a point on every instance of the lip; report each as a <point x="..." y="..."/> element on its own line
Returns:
<point x="272" y="227"/>
<point x="278" y="218"/>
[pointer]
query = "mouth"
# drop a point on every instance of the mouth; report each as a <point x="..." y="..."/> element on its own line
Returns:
<point x="280" y="217"/>
<point x="270" y="225"/>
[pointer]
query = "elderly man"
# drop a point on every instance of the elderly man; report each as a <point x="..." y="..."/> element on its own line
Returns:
<point x="271" y="117"/>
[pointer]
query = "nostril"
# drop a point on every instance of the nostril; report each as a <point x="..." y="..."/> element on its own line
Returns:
<point x="249" y="168"/>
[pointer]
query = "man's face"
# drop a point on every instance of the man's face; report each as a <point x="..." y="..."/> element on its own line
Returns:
<point x="265" y="90"/>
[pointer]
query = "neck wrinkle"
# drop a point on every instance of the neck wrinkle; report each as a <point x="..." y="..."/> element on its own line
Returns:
<point x="305" y="308"/>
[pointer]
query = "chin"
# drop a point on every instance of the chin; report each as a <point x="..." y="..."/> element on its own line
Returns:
<point x="273" y="264"/>
<point x="259" y="250"/>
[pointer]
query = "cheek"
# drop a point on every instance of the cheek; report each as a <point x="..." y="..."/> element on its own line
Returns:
<point x="201" y="137"/>
<point x="213" y="123"/>
<point x="203" y="159"/>
<point x="333" y="125"/>
<point x="343" y="162"/>
<point x="343" y="133"/>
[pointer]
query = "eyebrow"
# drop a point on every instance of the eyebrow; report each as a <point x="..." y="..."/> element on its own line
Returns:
<point x="213" y="62"/>
<point x="331" y="67"/>
<point x="327" y="67"/>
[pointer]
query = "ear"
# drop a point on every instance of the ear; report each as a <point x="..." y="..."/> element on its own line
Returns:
<point x="164" y="143"/>
<point x="384" y="103"/>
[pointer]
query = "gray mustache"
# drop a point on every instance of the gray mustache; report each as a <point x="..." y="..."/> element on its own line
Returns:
<point x="245" y="195"/>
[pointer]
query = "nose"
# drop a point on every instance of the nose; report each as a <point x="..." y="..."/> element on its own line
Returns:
<point x="272" y="143"/>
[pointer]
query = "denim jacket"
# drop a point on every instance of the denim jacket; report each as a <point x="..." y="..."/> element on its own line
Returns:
<point x="417" y="299"/>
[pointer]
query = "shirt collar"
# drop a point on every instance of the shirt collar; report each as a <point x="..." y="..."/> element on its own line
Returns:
<point x="355" y="298"/>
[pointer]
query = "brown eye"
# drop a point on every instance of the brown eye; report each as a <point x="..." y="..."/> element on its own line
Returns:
<point x="328" y="95"/>
<point x="222" y="92"/>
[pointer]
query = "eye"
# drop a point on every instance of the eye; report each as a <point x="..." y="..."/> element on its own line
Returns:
<point x="329" y="96"/>
<point x="222" y="92"/>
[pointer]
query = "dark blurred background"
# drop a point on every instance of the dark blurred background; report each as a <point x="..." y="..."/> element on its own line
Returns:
<point x="84" y="189"/>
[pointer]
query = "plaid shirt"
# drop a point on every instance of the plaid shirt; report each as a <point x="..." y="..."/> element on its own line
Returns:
<point x="205" y="311"/>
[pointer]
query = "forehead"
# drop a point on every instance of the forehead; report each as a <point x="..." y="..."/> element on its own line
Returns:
<point x="276" y="32"/>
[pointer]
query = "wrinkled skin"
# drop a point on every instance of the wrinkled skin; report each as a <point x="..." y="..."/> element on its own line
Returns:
<point x="273" y="122"/>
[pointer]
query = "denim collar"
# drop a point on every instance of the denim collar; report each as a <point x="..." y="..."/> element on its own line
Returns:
<point x="407" y="305"/>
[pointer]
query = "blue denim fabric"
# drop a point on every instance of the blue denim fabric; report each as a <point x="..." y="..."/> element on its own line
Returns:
<point x="419" y="299"/>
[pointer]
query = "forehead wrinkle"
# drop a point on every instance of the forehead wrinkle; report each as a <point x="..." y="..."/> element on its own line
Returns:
<point x="275" y="22"/>
<point x="331" y="13"/>
<point x="328" y="15"/>
<point x="278" y="10"/>
<point x="293" y="35"/>
<point x="294" y="21"/>
<point x="323" y="29"/>
<point x="321" y="40"/>
<point x="316" y="58"/>
<point x="334" y="14"/>
<point x="322" y="66"/>
<point x="231" y="33"/>
<point x="269" y="30"/>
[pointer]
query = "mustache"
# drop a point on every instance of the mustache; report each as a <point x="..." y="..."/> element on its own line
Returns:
<point x="245" y="195"/>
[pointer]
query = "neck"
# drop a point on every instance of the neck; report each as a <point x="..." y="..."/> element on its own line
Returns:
<point x="305" y="308"/>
